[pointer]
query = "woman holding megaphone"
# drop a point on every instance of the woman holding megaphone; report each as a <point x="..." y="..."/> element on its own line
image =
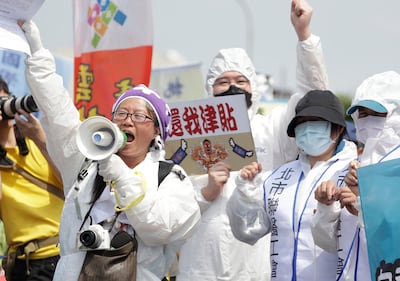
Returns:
<point x="120" y="192"/>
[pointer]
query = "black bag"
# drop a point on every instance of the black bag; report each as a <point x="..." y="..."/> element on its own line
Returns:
<point x="112" y="265"/>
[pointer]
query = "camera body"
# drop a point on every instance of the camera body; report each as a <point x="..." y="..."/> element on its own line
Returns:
<point x="10" y="105"/>
<point x="95" y="237"/>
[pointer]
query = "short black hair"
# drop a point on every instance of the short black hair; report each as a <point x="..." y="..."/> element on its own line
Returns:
<point x="4" y="85"/>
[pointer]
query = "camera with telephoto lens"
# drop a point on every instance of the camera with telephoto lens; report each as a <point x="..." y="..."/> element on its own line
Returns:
<point x="95" y="237"/>
<point x="10" y="105"/>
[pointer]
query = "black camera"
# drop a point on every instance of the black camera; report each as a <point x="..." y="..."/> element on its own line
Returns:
<point x="10" y="106"/>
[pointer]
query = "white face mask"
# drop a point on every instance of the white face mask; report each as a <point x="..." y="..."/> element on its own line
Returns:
<point x="369" y="127"/>
<point x="314" y="137"/>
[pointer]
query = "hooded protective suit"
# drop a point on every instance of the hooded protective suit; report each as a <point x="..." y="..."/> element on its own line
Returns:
<point x="383" y="88"/>
<point x="283" y="205"/>
<point x="213" y="253"/>
<point x="353" y="262"/>
<point x="165" y="217"/>
<point x="273" y="146"/>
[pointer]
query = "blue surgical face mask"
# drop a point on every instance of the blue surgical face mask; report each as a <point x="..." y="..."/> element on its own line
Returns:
<point x="313" y="137"/>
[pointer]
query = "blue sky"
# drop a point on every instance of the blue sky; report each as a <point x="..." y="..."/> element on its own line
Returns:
<point x="359" y="38"/>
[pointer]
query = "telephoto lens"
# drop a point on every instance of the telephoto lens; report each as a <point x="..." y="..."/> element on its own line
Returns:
<point x="10" y="106"/>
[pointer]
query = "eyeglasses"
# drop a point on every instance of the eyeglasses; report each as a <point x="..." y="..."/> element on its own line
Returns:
<point x="135" y="117"/>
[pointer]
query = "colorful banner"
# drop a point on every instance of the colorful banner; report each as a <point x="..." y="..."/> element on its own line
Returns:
<point x="179" y="83"/>
<point x="206" y="131"/>
<point x="112" y="49"/>
<point x="379" y="186"/>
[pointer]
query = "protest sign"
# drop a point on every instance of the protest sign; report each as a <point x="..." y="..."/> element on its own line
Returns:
<point x="206" y="131"/>
<point x="379" y="189"/>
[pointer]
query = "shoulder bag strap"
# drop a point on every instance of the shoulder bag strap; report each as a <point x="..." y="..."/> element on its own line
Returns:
<point x="163" y="170"/>
<point x="46" y="186"/>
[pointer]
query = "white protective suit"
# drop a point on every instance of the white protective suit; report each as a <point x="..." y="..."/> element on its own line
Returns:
<point x="162" y="220"/>
<point x="283" y="206"/>
<point x="350" y="240"/>
<point x="213" y="253"/>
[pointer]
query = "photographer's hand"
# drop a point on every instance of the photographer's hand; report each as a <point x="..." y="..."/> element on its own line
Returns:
<point x="31" y="128"/>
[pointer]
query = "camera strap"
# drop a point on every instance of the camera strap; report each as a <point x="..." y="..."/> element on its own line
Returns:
<point x="114" y="220"/>
<point x="163" y="171"/>
<point x="21" y="142"/>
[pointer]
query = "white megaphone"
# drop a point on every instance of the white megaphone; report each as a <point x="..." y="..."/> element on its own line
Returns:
<point x="99" y="138"/>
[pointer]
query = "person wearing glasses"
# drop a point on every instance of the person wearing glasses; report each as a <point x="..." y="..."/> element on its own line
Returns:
<point x="232" y="72"/>
<point x="135" y="117"/>
<point x="160" y="216"/>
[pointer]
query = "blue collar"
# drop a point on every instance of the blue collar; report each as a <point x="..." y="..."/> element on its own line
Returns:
<point x="339" y="147"/>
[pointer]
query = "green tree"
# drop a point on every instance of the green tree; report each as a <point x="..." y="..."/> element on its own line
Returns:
<point x="3" y="243"/>
<point x="346" y="101"/>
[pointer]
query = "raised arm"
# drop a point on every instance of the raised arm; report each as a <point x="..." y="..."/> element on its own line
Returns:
<point x="311" y="71"/>
<point x="311" y="74"/>
<point x="60" y="119"/>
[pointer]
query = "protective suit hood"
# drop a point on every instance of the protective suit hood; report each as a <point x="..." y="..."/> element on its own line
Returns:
<point x="383" y="88"/>
<point x="234" y="59"/>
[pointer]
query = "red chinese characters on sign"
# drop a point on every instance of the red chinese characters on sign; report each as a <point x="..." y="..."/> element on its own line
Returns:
<point x="228" y="122"/>
<point x="192" y="122"/>
<point x="209" y="115"/>
<point x="176" y="124"/>
<point x="203" y="119"/>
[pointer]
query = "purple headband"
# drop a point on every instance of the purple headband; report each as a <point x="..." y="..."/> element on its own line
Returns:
<point x="160" y="108"/>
